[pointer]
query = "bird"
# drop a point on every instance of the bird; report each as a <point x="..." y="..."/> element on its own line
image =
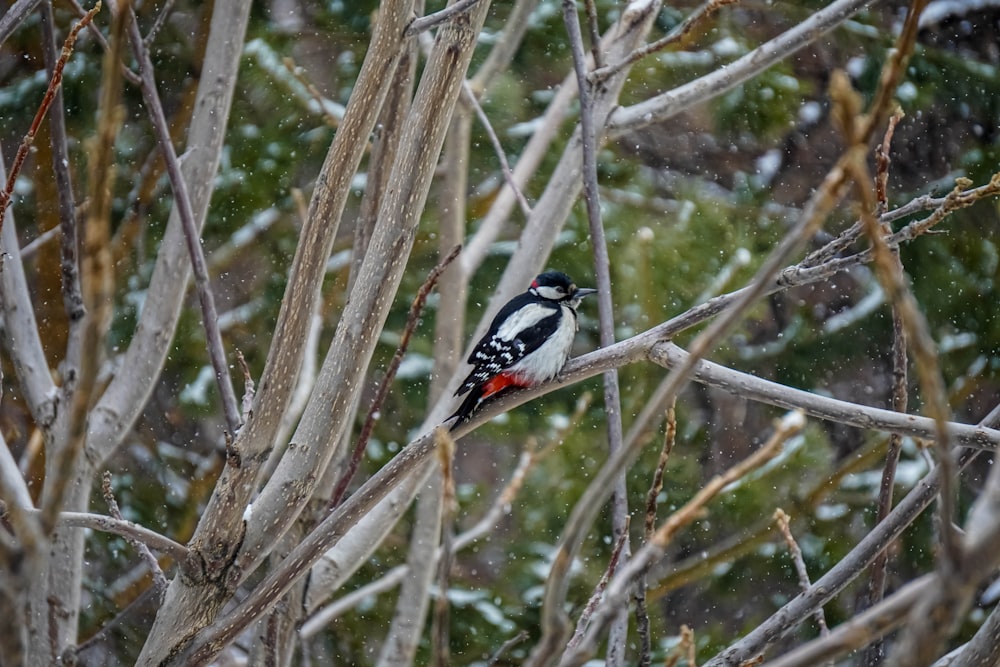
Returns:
<point x="528" y="342"/>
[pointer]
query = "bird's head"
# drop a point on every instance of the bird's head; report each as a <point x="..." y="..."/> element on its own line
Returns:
<point x="557" y="286"/>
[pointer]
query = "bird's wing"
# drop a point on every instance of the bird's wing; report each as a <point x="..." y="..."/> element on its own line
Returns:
<point x="518" y="330"/>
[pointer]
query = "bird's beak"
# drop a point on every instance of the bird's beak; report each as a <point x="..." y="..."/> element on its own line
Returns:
<point x="584" y="291"/>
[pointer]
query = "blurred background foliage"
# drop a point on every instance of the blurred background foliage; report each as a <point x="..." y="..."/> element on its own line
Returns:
<point x="692" y="206"/>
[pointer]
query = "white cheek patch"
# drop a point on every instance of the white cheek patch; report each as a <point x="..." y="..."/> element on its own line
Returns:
<point x="547" y="292"/>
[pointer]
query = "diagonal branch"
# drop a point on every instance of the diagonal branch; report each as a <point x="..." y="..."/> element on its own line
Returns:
<point x="666" y="105"/>
<point x="54" y="82"/>
<point x="182" y="199"/>
<point x="617" y="594"/>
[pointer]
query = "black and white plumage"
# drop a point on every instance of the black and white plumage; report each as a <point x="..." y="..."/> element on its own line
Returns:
<point x="528" y="342"/>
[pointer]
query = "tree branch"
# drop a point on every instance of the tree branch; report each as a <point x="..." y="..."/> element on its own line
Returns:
<point x="666" y="105"/>
<point x="192" y="237"/>
<point x="599" y="247"/>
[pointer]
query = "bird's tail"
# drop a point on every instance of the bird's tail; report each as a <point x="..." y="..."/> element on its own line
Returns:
<point x="467" y="407"/>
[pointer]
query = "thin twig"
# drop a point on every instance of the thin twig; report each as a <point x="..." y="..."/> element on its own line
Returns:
<point x="209" y="316"/>
<point x="54" y="82"/>
<point x="641" y="614"/>
<point x="594" y="33"/>
<point x="795" y="552"/>
<point x="669" y="438"/>
<point x="680" y="36"/>
<point x="508" y="175"/>
<point x="425" y="23"/>
<point x="506" y="646"/>
<point x="159" y="580"/>
<point x="69" y="261"/>
<point x="666" y="105"/>
<point x="612" y="396"/>
<point x="96" y="33"/>
<point x="95" y="280"/>
<point x="875" y="653"/>
<point x="161" y="18"/>
<point x="331" y="119"/>
<point x="124" y="528"/>
<point x="249" y="388"/>
<point x="685" y="649"/>
<point x="889" y="270"/>
<point x="614" y="563"/>
<point x="616" y="595"/>
<point x="412" y="320"/>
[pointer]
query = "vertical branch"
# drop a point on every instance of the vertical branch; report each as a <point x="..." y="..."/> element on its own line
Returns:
<point x="72" y="298"/>
<point x="47" y="99"/>
<point x="594" y="34"/>
<point x="385" y="146"/>
<point x="449" y="324"/>
<point x="209" y="316"/>
<point x="441" y="656"/>
<point x="649" y="527"/>
<point x="894" y="282"/>
<point x="96" y="278"/>
<point x="875" y="652"/>
<point x="612" y="398"/>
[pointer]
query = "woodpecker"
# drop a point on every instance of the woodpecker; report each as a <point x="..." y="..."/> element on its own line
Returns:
<point x="528" y="342"/>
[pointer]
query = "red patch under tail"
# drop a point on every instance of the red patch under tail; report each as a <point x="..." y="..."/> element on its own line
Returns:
<point x="501" y="382"/>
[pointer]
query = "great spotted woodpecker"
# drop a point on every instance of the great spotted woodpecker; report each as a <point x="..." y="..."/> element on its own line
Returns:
<point x="528" y="342"/>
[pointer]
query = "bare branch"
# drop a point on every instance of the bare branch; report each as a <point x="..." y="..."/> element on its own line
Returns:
<point x="412" y="320"/>
<point x="159" y="580"/>
<point x="116" y="526"/>
<point x="614" y="563"/>
<point x="508" y="175"/>
<point x="617" y="593"/>
<point x="836" y="578"/>
<point x="54" y="82"/>
<point x="95" y="282"/>
<point x="795" y="552"/>
<point x="440" y="627"/>
<point x="425" y="23"/>
<point x="15" y="15"/>
<point x="860" y="630"/>
<point x="671" y="356"/>
<point x="248" y="388"/>
<point x="602" y="270"/>
<point x="679" y="36"/>
<point x="649" y="526"/>
<point x="673" y="102"/>
<point x="127" y="394"/>
<point x="182" y="200"/>
<point x="874" y="654"/>
<point x="69" y="262"/>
